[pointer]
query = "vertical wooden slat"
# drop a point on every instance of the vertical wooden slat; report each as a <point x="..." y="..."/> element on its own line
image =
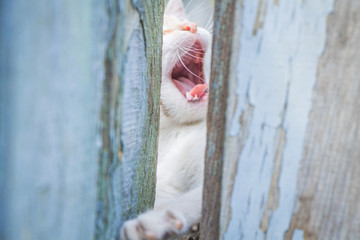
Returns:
<point x="151" y="19"/>
<point x="79" y="119"/>
<point x="328" y="201"/>
<point x="106" y="209"/>
<point x="279" y="46"/>
<point x="130" y="114"/>
<point x="290" y="156"/>
<point x="221" y="54"/>
<point x="50" y="119"/>
<point x="5" y="120"/>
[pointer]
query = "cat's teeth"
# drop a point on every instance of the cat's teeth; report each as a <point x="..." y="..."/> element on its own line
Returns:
<point x="188" y="96"/>
<point x="196" y="97"/>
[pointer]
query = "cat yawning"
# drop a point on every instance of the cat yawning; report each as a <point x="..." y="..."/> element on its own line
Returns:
<point x="184" y="97"/>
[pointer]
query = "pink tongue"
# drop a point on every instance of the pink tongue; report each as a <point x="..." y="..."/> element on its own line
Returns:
<point x="199" y="90"/>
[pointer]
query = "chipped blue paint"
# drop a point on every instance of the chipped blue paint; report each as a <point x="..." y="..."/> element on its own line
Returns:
<point x="298" y="235"/>
<point x="61" y="178"/>
<point x="276" y="72"/>
<point x="54" y="70"/>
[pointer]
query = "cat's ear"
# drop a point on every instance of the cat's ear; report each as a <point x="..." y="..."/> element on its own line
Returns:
<point x="175" y="8"/>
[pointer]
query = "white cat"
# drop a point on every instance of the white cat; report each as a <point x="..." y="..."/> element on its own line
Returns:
<point x="184" y="99"/>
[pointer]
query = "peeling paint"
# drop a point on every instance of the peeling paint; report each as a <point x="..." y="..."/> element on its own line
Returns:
<point x="52" y="54"/>
<point x="298" y="235"/>
<point x="329" y="180"/>
<point x="274" y="192"/>
<point x="260" y="16"/>
<point x="65" y="79"/>
<point x="236" y="144"/>
<point x="276" y="72"/>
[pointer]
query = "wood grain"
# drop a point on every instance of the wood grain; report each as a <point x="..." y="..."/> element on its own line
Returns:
<point x="274" y="68"/>
<point x="130" y="113"/>
<point x="221" y="54"/>
<point x="79" y="116"/>
<point x="328" y="200"/>
<point x="52" y="68"/>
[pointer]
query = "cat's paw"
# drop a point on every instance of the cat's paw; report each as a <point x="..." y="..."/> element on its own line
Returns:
<point x="153" y="225"/>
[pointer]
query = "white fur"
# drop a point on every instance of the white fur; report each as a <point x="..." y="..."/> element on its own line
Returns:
<point x="171" y="98"/>
<point x="181" y="144"/>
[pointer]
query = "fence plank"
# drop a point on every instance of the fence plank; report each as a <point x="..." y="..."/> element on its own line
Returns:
<point x="129" y="114"/>
<point x="51" y="159"/>
<point x="79" y="116"/>
<point x="291" y="164"/>
<point x="328" y="184"/>
<point x="216" y="119"/>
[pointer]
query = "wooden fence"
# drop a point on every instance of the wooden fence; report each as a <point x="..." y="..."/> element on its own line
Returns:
<point x="80" y="85"/>
<point x="285" y="160"/>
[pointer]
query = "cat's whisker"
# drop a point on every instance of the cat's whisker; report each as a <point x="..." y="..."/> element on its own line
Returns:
<point x="210" y="27"/>
<point x="197" y="9"/>
<point x="193" y="49"/>
<point x="187" y="68"/>
<point x="187" y="5"/>
<point x="190" y="54"/>
<point x="193" y="52"/>
<point x="209" y="22"/>
<point x="200" y="11"/>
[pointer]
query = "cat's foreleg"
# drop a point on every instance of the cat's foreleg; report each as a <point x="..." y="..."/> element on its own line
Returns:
<point x="175" y="216"/>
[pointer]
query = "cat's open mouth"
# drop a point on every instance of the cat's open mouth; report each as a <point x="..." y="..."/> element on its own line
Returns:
<point x="188" y="74"/>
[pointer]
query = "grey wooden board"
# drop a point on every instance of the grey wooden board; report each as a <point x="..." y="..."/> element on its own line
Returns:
<point x="291" y="161"/>
<point x="51" y="161"/>
<point x="69" y="167"/>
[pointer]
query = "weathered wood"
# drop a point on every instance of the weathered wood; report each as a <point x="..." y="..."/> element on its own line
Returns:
<point x="276" y="72"/>
<point x="291" y="164"/>
<point x="79" y="116"/>
<point x="221" y="53"/>
<point x="328" y="185"/>
<point x="51" y="116"/>
<point x="129" y="114"/>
